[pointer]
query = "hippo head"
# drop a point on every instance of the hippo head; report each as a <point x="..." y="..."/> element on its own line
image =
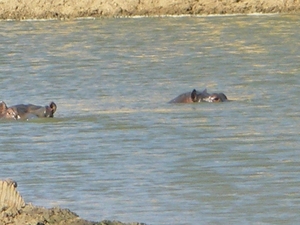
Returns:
<point x="50" y="110"/>
<point x="11" y="114"/>
<point x="7" y="113"/>
<point x="197" y="96"/>
<point x="216" y="97"/>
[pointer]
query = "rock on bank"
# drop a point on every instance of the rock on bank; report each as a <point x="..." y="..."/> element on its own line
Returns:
<point x="64" y="9"/>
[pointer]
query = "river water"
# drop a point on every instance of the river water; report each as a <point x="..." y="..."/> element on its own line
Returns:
<point x="117" y="150"/>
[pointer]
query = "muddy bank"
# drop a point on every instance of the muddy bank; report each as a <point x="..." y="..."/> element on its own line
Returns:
<point x="64" y="9"/>
<point x="34" y="215"/>
<point x="14" y="211"/>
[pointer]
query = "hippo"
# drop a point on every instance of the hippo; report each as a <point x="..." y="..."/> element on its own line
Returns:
<point x="7" y="113"/>
<point x="190" y="97"/>
<point x="216" y="97"/>
<point x="197" y="96"/>
<point x="30" y="110"/>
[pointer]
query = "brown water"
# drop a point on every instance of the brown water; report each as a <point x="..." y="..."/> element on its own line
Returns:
<point x="118" y="150"/>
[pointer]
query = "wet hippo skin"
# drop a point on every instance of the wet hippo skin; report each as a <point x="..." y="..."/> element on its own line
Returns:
<point x="30" y="110"/>
<point x="216" y="97"/>
<point x="190" y="97"/>
<point x="7" y="113"/>
<point x="198" y="96"/>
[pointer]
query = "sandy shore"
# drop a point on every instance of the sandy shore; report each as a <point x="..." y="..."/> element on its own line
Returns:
<point x="68" y="9"/>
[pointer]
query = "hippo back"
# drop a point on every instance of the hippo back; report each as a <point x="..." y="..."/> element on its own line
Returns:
<point x="190" y="97"/>
<point x="30" y="110"/>
<point x="183" y="98"/>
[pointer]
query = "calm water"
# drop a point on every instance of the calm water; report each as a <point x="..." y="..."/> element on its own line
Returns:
<point x="118" y="150"/>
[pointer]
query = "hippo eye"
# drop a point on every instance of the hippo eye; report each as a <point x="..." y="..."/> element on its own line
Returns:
<point x="13" y="115"/>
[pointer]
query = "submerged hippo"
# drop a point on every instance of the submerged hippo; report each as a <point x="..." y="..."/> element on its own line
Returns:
<point x="190" y="97"/>
<point x="7" y="113"/>
<point x="215" y="97"/>
<point x="197" y="96"/>
<point x="30" y="110"/>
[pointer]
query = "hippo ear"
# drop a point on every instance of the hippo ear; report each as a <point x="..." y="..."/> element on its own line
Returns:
<point x="3" y="106"/>
<point x="194" y="95"/>
<point x="53" y="108"/>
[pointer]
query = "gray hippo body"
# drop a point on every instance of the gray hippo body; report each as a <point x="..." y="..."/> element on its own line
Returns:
<point x="190" y="97"/>
<point x="30" y="110"/>
<point x="7" y="113"/>
<point x="196" y="96"/>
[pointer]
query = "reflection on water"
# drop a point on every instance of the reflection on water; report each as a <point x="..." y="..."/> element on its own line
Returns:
<point x="118" y="150"/>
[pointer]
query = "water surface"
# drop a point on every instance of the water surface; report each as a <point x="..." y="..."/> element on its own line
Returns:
<point x="117" y="150"/>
